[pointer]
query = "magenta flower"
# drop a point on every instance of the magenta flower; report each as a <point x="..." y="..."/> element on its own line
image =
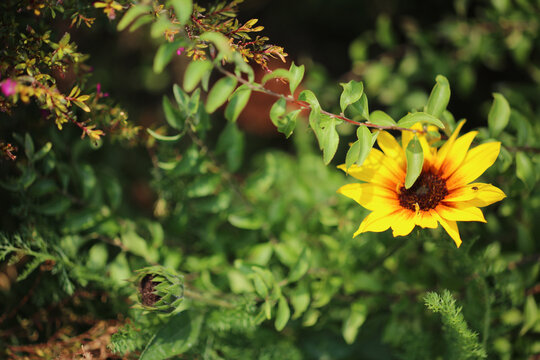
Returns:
<point x="99" y="93"/>
<point x="8" y="87"/>
<point x="180" y="50"/>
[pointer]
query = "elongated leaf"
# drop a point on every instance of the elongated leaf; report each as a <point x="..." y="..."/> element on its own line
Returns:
<point x="352" y="92"/>
<point x="220" y="41"/>
<point x="499" y="115"/>
<point x="379" y="117"/>
<point x="131" y="14"/>
<point x="366" y="140"/>
<point x="301" y="267"/>
<point x="163" y="137"/>
<point x="182" y="99"/>
<point x="329" y="139"/>
<point x="231" y="143"/>
<point x="296" y="75"/>
<point x="288" y="124"/>
<point x="278" y="73"/>
<point x="57" y="205"/>
<point x="525" y="170"/>
<point x="415" y="161"/>
<point x="173" y="116"/>
<point x="219" y="93"/>
<point x="164" y="54"/>
<point x="183" y="10"/>
<point x="283" y="314"/>
<point x="356" y="318"/>
<point x="412" y="118"/>
<point x="195" y="72"/>
<point x="237" y="102"/>
<point x="439" y="97"/>
<point x="175" y="337"/>
<point x="361" y="107"/>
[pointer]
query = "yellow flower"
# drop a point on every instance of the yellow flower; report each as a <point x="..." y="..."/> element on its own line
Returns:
<point x="442" y="194"/>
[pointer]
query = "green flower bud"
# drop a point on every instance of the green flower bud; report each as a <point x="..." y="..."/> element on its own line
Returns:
<point x="159" y="289"/>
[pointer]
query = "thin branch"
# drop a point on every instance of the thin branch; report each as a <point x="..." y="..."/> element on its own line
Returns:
<point x="306" y="105"/>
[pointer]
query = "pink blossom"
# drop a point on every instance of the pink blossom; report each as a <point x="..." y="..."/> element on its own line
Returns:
<point x="99" y="93"/>
<point x="8" y="87"/>
<point x="180" y="50"/>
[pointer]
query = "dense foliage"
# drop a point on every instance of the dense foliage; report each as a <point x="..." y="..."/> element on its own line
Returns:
<point x="182" y="234"/>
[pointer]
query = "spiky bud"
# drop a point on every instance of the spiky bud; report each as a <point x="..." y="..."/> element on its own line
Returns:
<point x="159" y="289"/>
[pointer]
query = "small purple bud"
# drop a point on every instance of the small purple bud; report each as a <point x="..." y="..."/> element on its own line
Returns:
<point x="98" y="87"/>
<point x="180" y="50"/>
<point x="8" y="87"/>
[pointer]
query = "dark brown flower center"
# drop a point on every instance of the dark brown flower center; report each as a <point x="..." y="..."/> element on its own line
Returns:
<point x="428" y="190"/>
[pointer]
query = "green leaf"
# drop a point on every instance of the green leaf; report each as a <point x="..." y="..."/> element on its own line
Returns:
<point x="354" y="320"/>
<point x="176" y="336"/>
<point x="296" y="74"/>
<point x="183" y="10"/>
<point x="182" y="99"/>
<point x="352" y="92"/>
<point x="219" y="93"/>
<point x="412" y="118"/>
<point x="283" y="314"/>
<point x="173" y="116"/>
<point x="300" y="300"/>
<point x="499" y="115"/>
<point x="220" y="41"/>
<point x="530" y="314"/>
<point x="237" y="102"/>
<point x="43" y="151"/>
<point x="57" y="205"/>
<point x="288" y="123"/>
<point x="165" y="53"/>
<point x="245" y="221"/>
<point x="329" y="139"/>
<point x="231" y="142"/>
<point x="439" y="97"/>
<point x="42" y="187"/>
<point x="163" y="137"/>
<point x="361" y="107"/>
<point x="525" y="170"/>
<point x="415" y="161"/>
<point x="278" y="110"/>
<point x="131" y="14"/>
<point x="301" y="267"/>
<point x="309" y="97"/>
<point x="260" y="287"/>
<point x="366" y="140"/>
<point x="195" y="72"/>
<point x="379" y="117"/>
<point x="278" y="73"/>
<point x="204" y="185"/>
<point x="28" y="146"/>
<point x="88" y="180"/>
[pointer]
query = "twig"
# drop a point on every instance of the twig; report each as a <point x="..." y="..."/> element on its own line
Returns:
<point x="306" y="105"/>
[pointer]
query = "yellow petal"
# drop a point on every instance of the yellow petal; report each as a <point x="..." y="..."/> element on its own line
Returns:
<point x="476" y="194"/>
<point x="425" y="219"/>
<point x="476" y="162"/>
<point x="376" y="222"/>
<point x="460" y="213"/>
<point x="457" y="154"/>
<point x="402" y="222"/>
<point x="391" y="148"/>
<point x="375" y="169"/>
<point x="451" y="228"/>
<point x="372" y="197"/>
<point x="443" y="151"/>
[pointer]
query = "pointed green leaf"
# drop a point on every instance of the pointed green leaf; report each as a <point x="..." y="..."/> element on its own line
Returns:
<point x="237" y="102"/>
<point x="28" y="146"/>
<point x="163" y="137"/>
<point x="131" y="14"/>
<point x="352" y="92"/>
<point x="366" y="140"/>
<point x="415" y="161"/>
<point x="439" y="97"/>
<point x="183" y="10"/>
<point x="219" y="93"/>
<point x="278" y="73"/>
<point x="288" y="123"/>
<point x="182" y="99"/>
<point x="300" y="300"/>
<point x="412" y="118"/>
<point x="301" y="267"/>
<point x="178" y="334"/>
<point x="57" y="205"/>
<point x="195" y="72"/>
<point x="381" y="118"/>
<point x="525" y="170"/>
<point x="361" y="107"/>
<point x="329" y="139"/>
<point x="231" y="143"/>
<point x="283" y="314"/>
<point x="220" y="41"/>
<point x="296" y="75"/>
<point x="352" y="323"/>
<point x="499" y="114"/>
<point x="173" y="116"/>
<point x="164" y="54"/>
